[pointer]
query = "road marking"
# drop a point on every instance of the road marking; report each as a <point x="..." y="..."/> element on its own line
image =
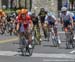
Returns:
<point x="8" y="40"/>
<point x="8" y="53"/>
<point x="72" y="51"/>
<point x="36" y="55"/>
<point x="53" y="55"/>
<point x="14" y="39"/>
<point x="61" y="32"/>
<point x="57" y="60"/>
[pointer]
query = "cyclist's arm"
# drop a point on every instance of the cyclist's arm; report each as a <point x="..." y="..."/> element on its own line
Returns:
<point x="71" y="20"/>
<point x="46" y="20"/>
<point x="18" y="23"/>
<point x="55" y="20"/>
<point x="17" y="26"/>
<point x="30" y="23"/>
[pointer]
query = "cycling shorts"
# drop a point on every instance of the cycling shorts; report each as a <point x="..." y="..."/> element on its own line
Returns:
<point x="51" y="23"/>
<point x="42" y="19"/>
<point x="66" y="23"/>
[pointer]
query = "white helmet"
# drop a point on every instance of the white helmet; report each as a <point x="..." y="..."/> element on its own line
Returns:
<point x="49" y="14"/>
<point x="63" y="9"/>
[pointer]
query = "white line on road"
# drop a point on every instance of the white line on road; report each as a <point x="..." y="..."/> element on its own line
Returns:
<point x="53" y="55"/>
<point x="8" y="53"/>
<point x="57" y="60"/>
<point x="36" y="55"/>
<point x="72" y="51"/>
<point x="61" y="32"/>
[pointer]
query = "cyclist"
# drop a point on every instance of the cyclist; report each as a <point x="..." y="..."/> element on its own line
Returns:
<point x="66" y="15"/>
<point x="74" y="21"/>
<point x="67" y="21"/>
<point x="36" y="24"/>
<point x="18" y="13"/>
<point x="51" y="24"/>
<point x="42" y="16"/>
<point x="2" y="21"/>
<point x="24" y="26"/>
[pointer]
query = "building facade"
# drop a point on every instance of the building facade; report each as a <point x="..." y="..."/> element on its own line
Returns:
<point x="35" y="5"/>
<point x="49" y="5"/>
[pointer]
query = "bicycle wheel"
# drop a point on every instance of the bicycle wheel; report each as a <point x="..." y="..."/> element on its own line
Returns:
<point x="23" y="44"/>
<point x="72" y="40"/>
<point x="48" y="35"/>
<point x="33" y="43"/>
<point x="67" y="39"/>
<point x="29" y="50"/>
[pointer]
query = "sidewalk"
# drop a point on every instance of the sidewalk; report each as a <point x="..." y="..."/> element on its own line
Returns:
<point x="7" y="38"/>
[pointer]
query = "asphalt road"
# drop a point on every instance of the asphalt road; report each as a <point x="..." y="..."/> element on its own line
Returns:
<point x="41" y="53"/>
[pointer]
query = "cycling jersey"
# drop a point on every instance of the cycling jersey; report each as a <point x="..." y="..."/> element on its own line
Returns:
<point x="73" y="18"/>
<point x="51" y="19"/>
<point x="42" y="16"/>
<point x="66" y="18"/>
<point x="25" y="21"/>
<point x="35" y="20"/>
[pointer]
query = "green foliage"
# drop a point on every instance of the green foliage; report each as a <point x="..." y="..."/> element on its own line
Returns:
<point x="71" y="1"/>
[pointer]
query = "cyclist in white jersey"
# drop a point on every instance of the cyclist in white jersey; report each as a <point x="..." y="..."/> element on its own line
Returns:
<point x="67" y="22"/>
<point x="66" y="17"/>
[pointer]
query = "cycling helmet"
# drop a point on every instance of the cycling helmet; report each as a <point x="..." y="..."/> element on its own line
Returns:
<point x="63" y="9"/>
<point x="1" y="10"/>
<point x="49" y="14"/>
<point x="3" y="13"/>
<point x="18" y="11"/>
<point x="42" y="9"/>
<point x="24" y="11"/>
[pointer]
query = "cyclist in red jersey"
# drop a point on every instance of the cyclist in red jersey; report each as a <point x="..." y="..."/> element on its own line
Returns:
<point x="24" y="25"/>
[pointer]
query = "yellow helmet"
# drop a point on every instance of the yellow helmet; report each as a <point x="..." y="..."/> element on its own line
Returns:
<point x="1" y="10"/>
<point x="3" y="13"/>
<point x="18" y="11"/>
<point x="26" y="10"/>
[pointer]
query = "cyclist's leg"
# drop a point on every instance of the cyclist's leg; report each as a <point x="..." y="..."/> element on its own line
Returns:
<point x="68" y="34"/>
<point x="56" y="36"/>
<point x="29" y="38"/>
<point x="45" y="29"/>
<point x="71" y="35"/>
<point x="39" y="33"/>
<point x="38" y="36"/>
<point x="21" y="41"/>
